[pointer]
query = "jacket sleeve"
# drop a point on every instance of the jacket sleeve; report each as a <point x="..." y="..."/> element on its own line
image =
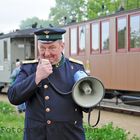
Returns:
<point x="23" y="88"/>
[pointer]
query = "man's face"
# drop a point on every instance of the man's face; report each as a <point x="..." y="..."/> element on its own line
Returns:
<point x="51" y="51"/>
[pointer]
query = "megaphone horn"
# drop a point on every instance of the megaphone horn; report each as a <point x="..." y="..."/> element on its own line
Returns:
<point x="87" y="91"/>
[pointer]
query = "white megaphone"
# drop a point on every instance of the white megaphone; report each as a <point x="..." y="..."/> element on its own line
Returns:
<point x="87" y="91"/>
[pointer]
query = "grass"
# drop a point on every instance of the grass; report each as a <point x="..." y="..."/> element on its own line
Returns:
<point x="108" y="132"/>
<point x="12" y="124"/>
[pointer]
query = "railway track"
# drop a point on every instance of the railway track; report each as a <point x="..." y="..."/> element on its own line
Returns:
<point x="118" y="106"/>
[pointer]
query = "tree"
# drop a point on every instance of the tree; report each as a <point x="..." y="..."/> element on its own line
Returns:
<point x="88" y="9"/>
<point x="132" y="4"/>
<point x="33" y="23"/>
<point x="97" y="8"/>
<point x="67" y="11"/>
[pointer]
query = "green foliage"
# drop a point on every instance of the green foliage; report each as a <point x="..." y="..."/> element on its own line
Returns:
<point x="66" y="10"/>
<point x="97" y="8"/>
<point x="12" y="127"/>
<point x="132" y="4"/>
<point x="11" y="123"/>
<point x="6" y="108"/>
<point x="107" y="132"/>
<point x="69" y="9"/>
<point x="33" y="22"/>
<point x="100" y="8"/>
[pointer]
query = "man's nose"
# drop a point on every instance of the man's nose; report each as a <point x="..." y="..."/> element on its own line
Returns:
<point x="47" y="52"/>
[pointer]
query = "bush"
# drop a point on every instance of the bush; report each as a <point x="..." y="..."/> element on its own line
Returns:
<point x="107" y="132"/>
<point x="6" y="108"/>
<point x="11" y="123"/>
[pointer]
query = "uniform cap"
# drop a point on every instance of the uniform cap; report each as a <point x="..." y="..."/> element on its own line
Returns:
<point x="50" y="34"/>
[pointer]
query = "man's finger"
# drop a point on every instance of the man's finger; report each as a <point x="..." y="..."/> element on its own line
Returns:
<point x="44" y="61"/>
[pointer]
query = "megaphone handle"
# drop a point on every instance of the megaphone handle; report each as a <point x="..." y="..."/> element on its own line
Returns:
<point x="89" y="115"/>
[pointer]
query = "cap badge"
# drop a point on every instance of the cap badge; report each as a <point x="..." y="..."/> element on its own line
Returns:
<point x="46" y="32"/>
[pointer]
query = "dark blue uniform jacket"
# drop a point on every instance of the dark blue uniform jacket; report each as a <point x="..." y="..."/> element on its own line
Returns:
<point x="51" y="113"/>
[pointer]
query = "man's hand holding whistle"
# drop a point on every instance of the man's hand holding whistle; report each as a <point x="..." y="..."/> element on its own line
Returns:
<point x="44" y="69"/>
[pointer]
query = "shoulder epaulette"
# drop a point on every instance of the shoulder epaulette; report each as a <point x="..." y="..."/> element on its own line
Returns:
<point x="29" y="61"/>
<point x="76" y="61"/>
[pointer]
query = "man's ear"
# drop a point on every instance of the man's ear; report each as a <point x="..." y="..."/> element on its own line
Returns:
<point x="63" y="45"/>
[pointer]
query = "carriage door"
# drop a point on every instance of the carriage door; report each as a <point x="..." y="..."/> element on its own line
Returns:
<point x="5" y="69"/>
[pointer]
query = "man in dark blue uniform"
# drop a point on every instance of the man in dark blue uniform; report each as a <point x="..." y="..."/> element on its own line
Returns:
<point x="46" y="87"/>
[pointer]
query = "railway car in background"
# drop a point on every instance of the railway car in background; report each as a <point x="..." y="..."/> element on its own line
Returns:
<point x="18" y="44"/>
<point x="110" y="49"/>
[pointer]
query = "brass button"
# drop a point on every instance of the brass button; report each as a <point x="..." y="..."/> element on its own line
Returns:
<point x="75" y="109"/>
<point x="49" y="122"/>
<point x="48" y="110"/>
<point x="45" y="86"/>
<point x="75" y="122"/>
<point x="72" y="67"/>
<point x="47" y="97"/>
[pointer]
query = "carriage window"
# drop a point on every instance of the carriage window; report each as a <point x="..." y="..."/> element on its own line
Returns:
<point x="95" y="37"/>
<point x="5" y="50"/>
<point x="121" y="33"/>
<point x="134" y="32"/>
<point x="82" y="38"/>
<point x="73" y="41"/>
<point x="105" y="36"/>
